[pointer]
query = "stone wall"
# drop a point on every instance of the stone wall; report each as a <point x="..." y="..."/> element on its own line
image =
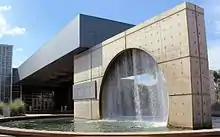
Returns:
<point x="177" y="41"/>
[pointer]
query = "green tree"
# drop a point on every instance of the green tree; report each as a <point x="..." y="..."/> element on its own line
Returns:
<point x="216" y="75"/>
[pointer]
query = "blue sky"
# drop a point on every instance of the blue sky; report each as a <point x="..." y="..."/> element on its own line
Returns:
<point x="28" y="24"/>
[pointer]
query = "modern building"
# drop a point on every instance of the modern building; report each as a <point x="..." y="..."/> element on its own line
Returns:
<point x="5" y="71"/>
<point x="94" y="66"/>
<point x="164" y="55"/>
<point x="46" y="78"/>
<point x="16" y="87"/>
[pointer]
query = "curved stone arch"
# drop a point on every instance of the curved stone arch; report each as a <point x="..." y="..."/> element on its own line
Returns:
<point x="146" y="51"/>
<point x="110" y="65"/>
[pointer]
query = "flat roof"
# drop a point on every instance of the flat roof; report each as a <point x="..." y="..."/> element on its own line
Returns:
<point x="78" y="35"/>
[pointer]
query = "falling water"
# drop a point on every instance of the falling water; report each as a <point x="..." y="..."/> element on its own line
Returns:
<point x="137" y="100"/>
<point x="134" y="89"/>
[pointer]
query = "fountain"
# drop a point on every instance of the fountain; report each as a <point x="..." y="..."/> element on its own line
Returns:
<point x="134" y="89"/>
<point x="126" y="80"/>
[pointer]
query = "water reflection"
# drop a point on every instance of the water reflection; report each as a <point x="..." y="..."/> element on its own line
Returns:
<point x="67" y="124"/>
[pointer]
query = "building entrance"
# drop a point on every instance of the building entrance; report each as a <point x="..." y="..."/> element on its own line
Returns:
<point x="48" y="100"/>
<point x="42" y="101"/>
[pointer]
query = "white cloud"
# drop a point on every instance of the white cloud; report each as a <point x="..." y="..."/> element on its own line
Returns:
<point x="19" y="50"/>
<point x="15" y="31"/>
<point x="213" y="54"/>
<point x="5" y="28"/>
<point x="5" y="8"/>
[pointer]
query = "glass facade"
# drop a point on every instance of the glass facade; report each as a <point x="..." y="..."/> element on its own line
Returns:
<point x="5" y="72"/>
<point x="16" y="88"/>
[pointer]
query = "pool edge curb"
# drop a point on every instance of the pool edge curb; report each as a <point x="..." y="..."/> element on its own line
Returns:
<point x="44" y="133"/>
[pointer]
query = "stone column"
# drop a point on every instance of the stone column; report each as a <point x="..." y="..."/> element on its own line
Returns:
<point x="190" y="102"/>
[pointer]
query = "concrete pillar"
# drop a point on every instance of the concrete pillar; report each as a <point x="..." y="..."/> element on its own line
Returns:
<point x="189" y="99"/>
<point x="190" y="102"/>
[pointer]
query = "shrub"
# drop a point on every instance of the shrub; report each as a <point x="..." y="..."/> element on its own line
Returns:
<point x="2" y="105"/>
<point x="17" y="107"/>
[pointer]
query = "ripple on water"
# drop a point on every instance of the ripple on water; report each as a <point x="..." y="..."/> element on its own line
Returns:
<point x="67" y="124"/>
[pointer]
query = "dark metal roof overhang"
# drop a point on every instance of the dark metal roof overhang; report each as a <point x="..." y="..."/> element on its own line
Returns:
<point x="55" y="74"/>
<point x="52" y="64"/>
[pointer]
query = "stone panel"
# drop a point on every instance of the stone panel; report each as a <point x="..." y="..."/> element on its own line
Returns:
<point x="196" y="86"/>
<point x="85" y="90"/>
<point x="147" y="39"/>
<point x="180" y="111"/>
<point x="199" y="9"/>
<point x="197" y="111"/>
<point x="114" y="38"/>
<point x="204" y="68"/>
<point x="201" y="35"/>
<point x="200" y="80"/>
<point x="82" y="76"/>
<point x="95" y="109"/>
<point x="178" y="8"/>
<point x="196" y="77"/>
<point x="207" y="118"/>
<point x="161" y="16"/>
<point x="174" y="36"/>
<point x="205" y="76"/>
<point x="97" y="63"/>
<point x="98" y="86"/>
<point x="193" y="35"/>
<point x="143" y="25"/>
<point x="82" y="65"/>
<point x="82" y="109"/>
<point x="177" y="74"/>
<point x="205" y="86"/>
<point x="81" y="82"/>
<point x="110" y="51"/>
